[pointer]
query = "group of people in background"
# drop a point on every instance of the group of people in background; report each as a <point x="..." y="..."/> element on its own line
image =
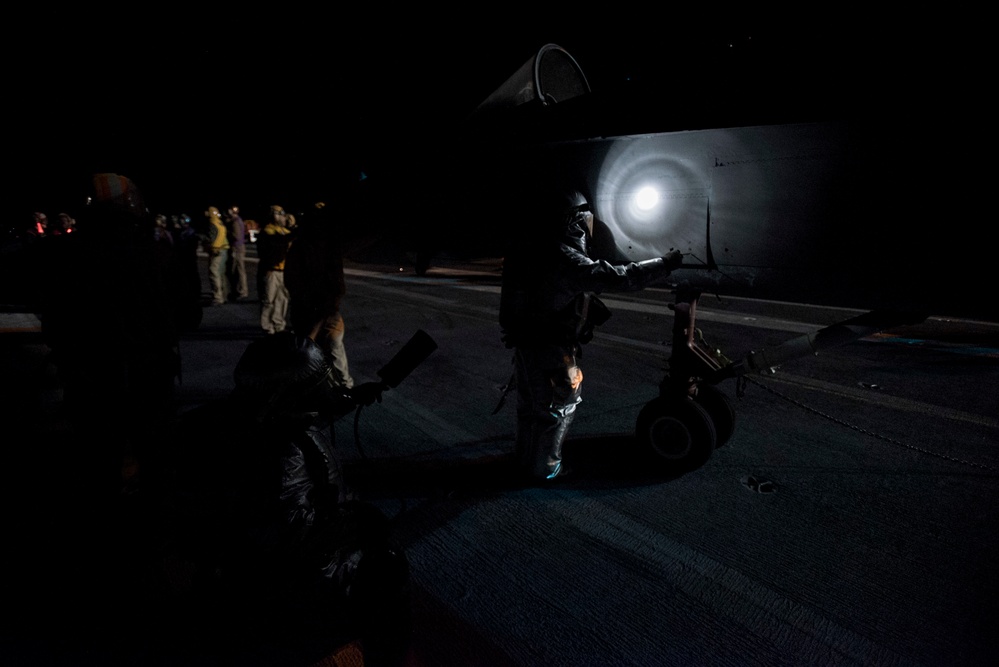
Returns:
<point x="224" y="236"/>
<point x="299" y="278"/>
<point x="40" y="228"/>
<point x="170" y="251"/>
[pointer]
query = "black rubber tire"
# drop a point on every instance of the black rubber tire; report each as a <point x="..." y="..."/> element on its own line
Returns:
<point x="677" y="434"/>
<point x="720" y="408"/>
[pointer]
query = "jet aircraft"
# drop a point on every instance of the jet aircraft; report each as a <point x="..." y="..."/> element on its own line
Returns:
<point x="828" y="211"/>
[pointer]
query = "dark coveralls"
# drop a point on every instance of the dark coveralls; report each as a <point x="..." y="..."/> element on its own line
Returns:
<point x="548" y="310"/>
<point x="316" y="287"/>
<point x="264" y="510"/>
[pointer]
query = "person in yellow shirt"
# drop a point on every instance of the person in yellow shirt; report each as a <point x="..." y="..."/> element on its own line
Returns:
<point x="217" y="247"/>
<point x="272" y="250"/>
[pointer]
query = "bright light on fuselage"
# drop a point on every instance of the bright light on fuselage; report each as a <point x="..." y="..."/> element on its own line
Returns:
<point x="646" y="198"/>
<point x="652" y="194"/>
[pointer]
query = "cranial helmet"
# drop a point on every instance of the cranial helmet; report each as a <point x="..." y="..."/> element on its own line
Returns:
<point x="282" y="374"/>
<point x="114" y="190"/>
<point x="565" y="202"/>
<point x="575" y="201"/>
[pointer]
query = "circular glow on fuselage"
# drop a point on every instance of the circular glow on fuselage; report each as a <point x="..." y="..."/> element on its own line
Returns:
<point x="646" y="198"/>
<point x="652" y="197"/>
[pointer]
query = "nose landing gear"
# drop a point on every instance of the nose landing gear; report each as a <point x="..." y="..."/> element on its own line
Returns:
<point x="681" y="428"/>
<point x="673" y="429"/>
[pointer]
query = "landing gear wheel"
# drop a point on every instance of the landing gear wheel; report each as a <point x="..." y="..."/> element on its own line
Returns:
<point x="720" y="408"/>
<point x="678" y="433"/>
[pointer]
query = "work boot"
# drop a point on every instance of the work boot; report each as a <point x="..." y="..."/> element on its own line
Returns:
<point x="545" y="454"/>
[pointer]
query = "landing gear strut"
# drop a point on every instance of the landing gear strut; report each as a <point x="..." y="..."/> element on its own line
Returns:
<point x="691" y="417"/>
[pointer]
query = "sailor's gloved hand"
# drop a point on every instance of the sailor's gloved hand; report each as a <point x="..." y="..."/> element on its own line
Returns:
<point x="673" y="259"/>
<point x="367" y="393"/>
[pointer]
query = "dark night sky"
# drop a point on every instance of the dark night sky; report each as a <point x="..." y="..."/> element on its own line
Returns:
<point x="202" y="108"/>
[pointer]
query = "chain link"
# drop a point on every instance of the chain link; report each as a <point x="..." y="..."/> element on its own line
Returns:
<point x="740" y="390"/>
